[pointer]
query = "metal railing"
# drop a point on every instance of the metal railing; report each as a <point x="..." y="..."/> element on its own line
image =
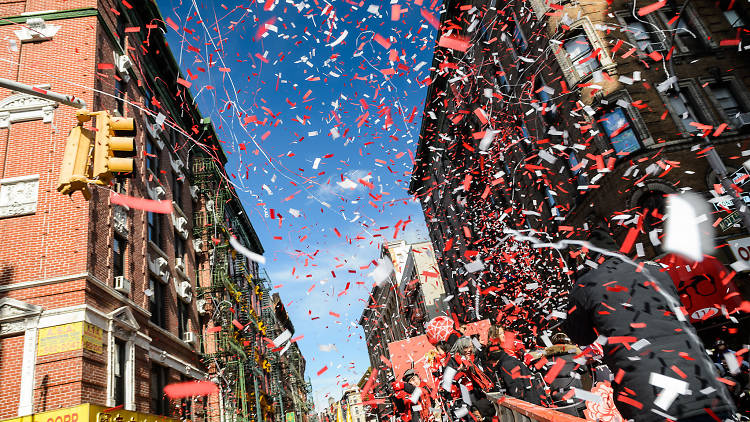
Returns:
<point x="510" y="409"/>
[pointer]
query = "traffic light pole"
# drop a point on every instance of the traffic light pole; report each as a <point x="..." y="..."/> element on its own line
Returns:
<point x="43" y="93"/>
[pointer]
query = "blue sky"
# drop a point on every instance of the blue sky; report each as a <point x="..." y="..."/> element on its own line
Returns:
<point x="332" y="155"/>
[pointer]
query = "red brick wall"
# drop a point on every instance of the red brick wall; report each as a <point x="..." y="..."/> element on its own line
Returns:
<point x="11" y="357"/>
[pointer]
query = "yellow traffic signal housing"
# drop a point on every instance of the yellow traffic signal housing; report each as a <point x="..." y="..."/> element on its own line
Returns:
<point x="110" y="139"/>
<point x="75" y="171"/>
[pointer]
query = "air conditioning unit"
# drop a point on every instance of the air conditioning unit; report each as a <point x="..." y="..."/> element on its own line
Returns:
<point x="188" y="337"/>
<point x="201" y="305"/>
<point x="194" y="192"/>
<point x="743" y="122"/>
<point x="185" y="290"/>
<point x="122" y="285"/>
<point x="179" y="263"/>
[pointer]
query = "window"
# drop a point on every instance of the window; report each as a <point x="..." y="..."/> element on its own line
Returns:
<point x="148" y="100"/>
<point x="120" y="29"/>
<point x="186" y="404"/>
<point x="152" y="157"/>
<point x="645" y="36"/>
<point x="623" y="138"/>
<point x="684" y="108"/>
<point x="519" y="40"/>
<point x="545" y="99"/>
<point x="118" y="369"/>
<point x="154" y="228"/>
<point x="119" y="245"/>
<point x="576" y="168"/>
<point x="179" y="246"/>
<point x="159" y="401"/>
<point x="580" y="51"/>
<point x="157" y="302"/>
<point x="727" y="101"/>
<point x="183" y="316"/>
<point x="121" y="89"/>
<point x="735" y="19"/>
<point x="177" y="189"/>
<point x="689" y="34"/>
<point x="652" y="204"/>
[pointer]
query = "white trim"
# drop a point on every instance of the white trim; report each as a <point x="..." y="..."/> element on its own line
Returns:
<point x="28" y="368"/>
<point x="175" y="363"/>
<point x="74" y="277"/>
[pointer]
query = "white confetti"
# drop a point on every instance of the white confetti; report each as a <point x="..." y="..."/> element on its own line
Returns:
<point x="260" y="259"/>
<point x="278" y="341"/>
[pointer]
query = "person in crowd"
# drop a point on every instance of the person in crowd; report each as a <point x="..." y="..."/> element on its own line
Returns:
<point x="568" y="375"/>
<point x="661" y="369"/>
<point x="512" y="375"/>
<point x="412" y="398"/>
<point x="464" y="385"/>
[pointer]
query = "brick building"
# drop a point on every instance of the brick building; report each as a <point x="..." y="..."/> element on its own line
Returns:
<point x="554" y="117"/>
<point x="98" y="301"/>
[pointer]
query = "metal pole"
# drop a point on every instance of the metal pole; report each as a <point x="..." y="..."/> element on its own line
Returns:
<point x="42" y="93"/>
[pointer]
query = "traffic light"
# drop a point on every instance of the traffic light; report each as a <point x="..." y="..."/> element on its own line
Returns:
<point x="75" y="171"/>
<point x="113" y="134"/>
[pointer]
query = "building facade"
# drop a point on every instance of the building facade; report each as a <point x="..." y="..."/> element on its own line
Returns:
<point x="421" y="288"/>
<point x="101" y="305"/>
<point x="551" y="118"/>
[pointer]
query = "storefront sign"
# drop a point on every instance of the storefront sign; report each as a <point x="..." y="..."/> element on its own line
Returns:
<point x="741" y="249"/>
<point x="289" y="416"/>
<point x="730" y="220"/>
<point x="91" y="413"/>
<point x="68" y="337"/>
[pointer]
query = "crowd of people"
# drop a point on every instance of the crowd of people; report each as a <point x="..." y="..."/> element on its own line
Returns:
<point x="624" y="351"/>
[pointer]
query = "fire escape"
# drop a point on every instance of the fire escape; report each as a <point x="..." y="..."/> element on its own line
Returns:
<point x="229" y="299"/>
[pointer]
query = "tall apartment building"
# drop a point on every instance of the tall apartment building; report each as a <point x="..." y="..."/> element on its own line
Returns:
<point x="420" y="286"/>
<point x="98" y="302"/>
<point x="554" y="117"/>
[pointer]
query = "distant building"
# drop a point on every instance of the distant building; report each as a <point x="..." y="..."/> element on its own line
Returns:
<point x="421" y="288"/>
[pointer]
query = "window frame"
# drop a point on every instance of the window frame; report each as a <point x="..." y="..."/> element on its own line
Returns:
<point x="177" y="188"/>
<point x="159" y="374"/>
<point x="737" y="88"/>
<point x="569" y="70"/>
<point x="157" y="302"/>
<point x="118" y="257"/>
<point x="152" y="156"/>
<point x="610" y="138"/>
<point x="121" y="94"/>
<point x="155" y="230"/>
<point x="656" y="37"/>
<point x="700" y="107"/>
<point x="704" y="36"/>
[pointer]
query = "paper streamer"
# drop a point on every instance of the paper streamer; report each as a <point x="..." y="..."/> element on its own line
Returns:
<point x="190" y="389"/>
<point x="260" y="259"/>
<point x="159" y="207"/>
